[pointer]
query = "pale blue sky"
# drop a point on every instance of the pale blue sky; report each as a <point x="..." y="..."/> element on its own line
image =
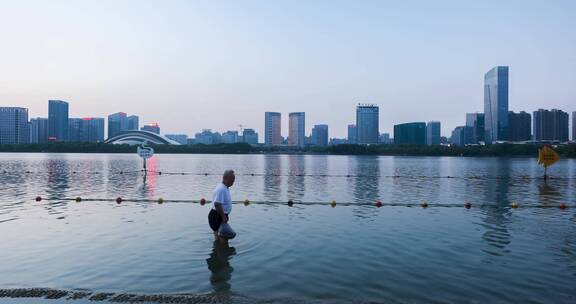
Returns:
<point x="190" y="65"/>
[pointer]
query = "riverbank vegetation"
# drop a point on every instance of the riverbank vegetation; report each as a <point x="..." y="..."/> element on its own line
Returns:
<point x="501" y="150"/>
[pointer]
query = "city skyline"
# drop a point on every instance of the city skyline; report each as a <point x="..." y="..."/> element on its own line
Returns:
<point x="216" y="68"/>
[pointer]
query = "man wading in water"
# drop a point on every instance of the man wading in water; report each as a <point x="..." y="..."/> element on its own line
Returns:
<point x="221" y="204"/>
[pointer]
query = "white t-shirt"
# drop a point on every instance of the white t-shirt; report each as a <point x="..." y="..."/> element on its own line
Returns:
<point x="222" y="195"/>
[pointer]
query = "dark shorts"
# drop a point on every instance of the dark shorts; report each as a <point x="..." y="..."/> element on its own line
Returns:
<point x="215" y="220"/>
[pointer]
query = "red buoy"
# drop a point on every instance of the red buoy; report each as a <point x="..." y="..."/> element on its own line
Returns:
<point x="378" y="204"/>
<point x="563" y="206"/>
<point x="38" y="198"/>
<point x="202" y="202"/>
<point x="467" y="205"/>
<point x="118" y="200"/>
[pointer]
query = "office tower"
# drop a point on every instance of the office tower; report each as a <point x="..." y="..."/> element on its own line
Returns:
<point x="272" y="128"/>
<point x="496" y="105"/>
<point x="57" y="120"/>
<point x="14" y="125"/>
<point x="433" y="133"/>
<point x="179" y="138"/>
<point x="462" y="136"/>
<point x="132" y="122"/>
<point x="117" y="123"/>
<point x="250" y="136"/>
<point x="367" y="130"/>
<point x="230" y="137"/>
<point x="550" y="125"/>
<point x="207" y="137"/>
<point x="352" y="134"/>
<point x="152" y="127"/>
<point x="519" y="126"/>
<point x="413" y="133"/>
<point x="39" y="130"/>
<point x="320" y="135"/>
<point x="574" y="126"/>
<point x="88" y="129"/>
<point x="296" y="129"/>
<point x="385" y="138"/>
<point x="476" y="122"/>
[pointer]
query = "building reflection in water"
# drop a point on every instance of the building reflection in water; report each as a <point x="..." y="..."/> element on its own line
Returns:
<point x="219" y="266"/>
<point x="148" y="188"/>
<point x="496" y="217"/>
<point x="57" y="184"/>
<point x="296" y="179"/>
<point x="272" y="180"/>
<point x="366" y="172"/>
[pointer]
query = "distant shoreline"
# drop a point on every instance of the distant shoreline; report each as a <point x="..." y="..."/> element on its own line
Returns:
<point x="496" y="150"/>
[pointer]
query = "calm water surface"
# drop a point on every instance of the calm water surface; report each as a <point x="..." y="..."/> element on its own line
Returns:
<point x="391" y="254"/>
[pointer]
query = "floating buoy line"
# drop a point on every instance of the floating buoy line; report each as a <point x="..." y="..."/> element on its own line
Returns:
<point x="291" y="203"/>
<point x="168" y="173"/>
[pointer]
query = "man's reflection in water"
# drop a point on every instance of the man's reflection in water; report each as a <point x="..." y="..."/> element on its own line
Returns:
<point x="219" y="266"/>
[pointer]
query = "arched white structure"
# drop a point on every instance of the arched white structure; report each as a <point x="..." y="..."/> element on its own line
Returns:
<point x="136" y="137"/>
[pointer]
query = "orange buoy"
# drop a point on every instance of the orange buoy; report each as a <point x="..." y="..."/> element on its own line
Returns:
<point x="160" y="200"/>
<point x="118" y="200"/>
<point x="78" y="199"/>
<point x="202" y="202"/>
<point x="563" y="206"/>
<point x="290" y="203"/>
<point x="246" y="202"/>
<point x="333" y="204"/>
<point x="514" y="205"/>
<point x="38" y="198"/>
<point x="378" y="204"/>
<point x="424" y="205"/>
<point x="467" y="205"/>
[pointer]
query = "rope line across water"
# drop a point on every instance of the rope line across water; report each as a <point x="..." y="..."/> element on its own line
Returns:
<point x="290" y="203"/>
<point x="472" y="177"/>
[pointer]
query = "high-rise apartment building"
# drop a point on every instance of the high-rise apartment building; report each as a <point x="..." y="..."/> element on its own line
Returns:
<point x="117" y="123"/>
<point x="496" y="105"/>
<point x="476" y="122"/>
<point x="519" y="126"/>
<point x="179" y="138"/>
<point x="151" y="127"/>
<point x="296" y="129"/>
<point x="132" y="123"/>
<point x="352" y="134"/>
<point x="550" y="125"/>
<point x="88" y="129"/>
<point x="39" y="130"/>
<point x="320" y="135"/>
<point x="250" y="136"/>
<point x="462" y="135"/>
<point x="272" y="128"/>
<point x="14" y="125"/>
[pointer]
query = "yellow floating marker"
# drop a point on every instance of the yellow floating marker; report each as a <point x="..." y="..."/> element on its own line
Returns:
<point x="514" y="205"/>
<point x="160" y="200"/>
<point x="424" y="205"/>
<point x="78" y="199"/>
<point x="246" y="202"/>
<point x="333" y="204"/>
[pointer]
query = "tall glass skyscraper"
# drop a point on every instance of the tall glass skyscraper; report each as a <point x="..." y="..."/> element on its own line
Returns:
<point x="39" y="130"/>
<point x="367" y="130"/>
<point x="117" y="123"/>
<point x="272" y="128"/>
<point x="433" y="133"/>
<point x="14" y="125"/>
<point x="496" y="104"/>
<point x="296" y="129"/>
<point x="58" y="120"/>
<point x="413" y="133"/>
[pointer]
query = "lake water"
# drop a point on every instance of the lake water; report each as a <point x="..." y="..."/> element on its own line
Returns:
<point x="490" y="253"/>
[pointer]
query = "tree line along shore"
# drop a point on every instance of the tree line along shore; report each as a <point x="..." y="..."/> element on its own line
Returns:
<point x="501" y="150"/>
